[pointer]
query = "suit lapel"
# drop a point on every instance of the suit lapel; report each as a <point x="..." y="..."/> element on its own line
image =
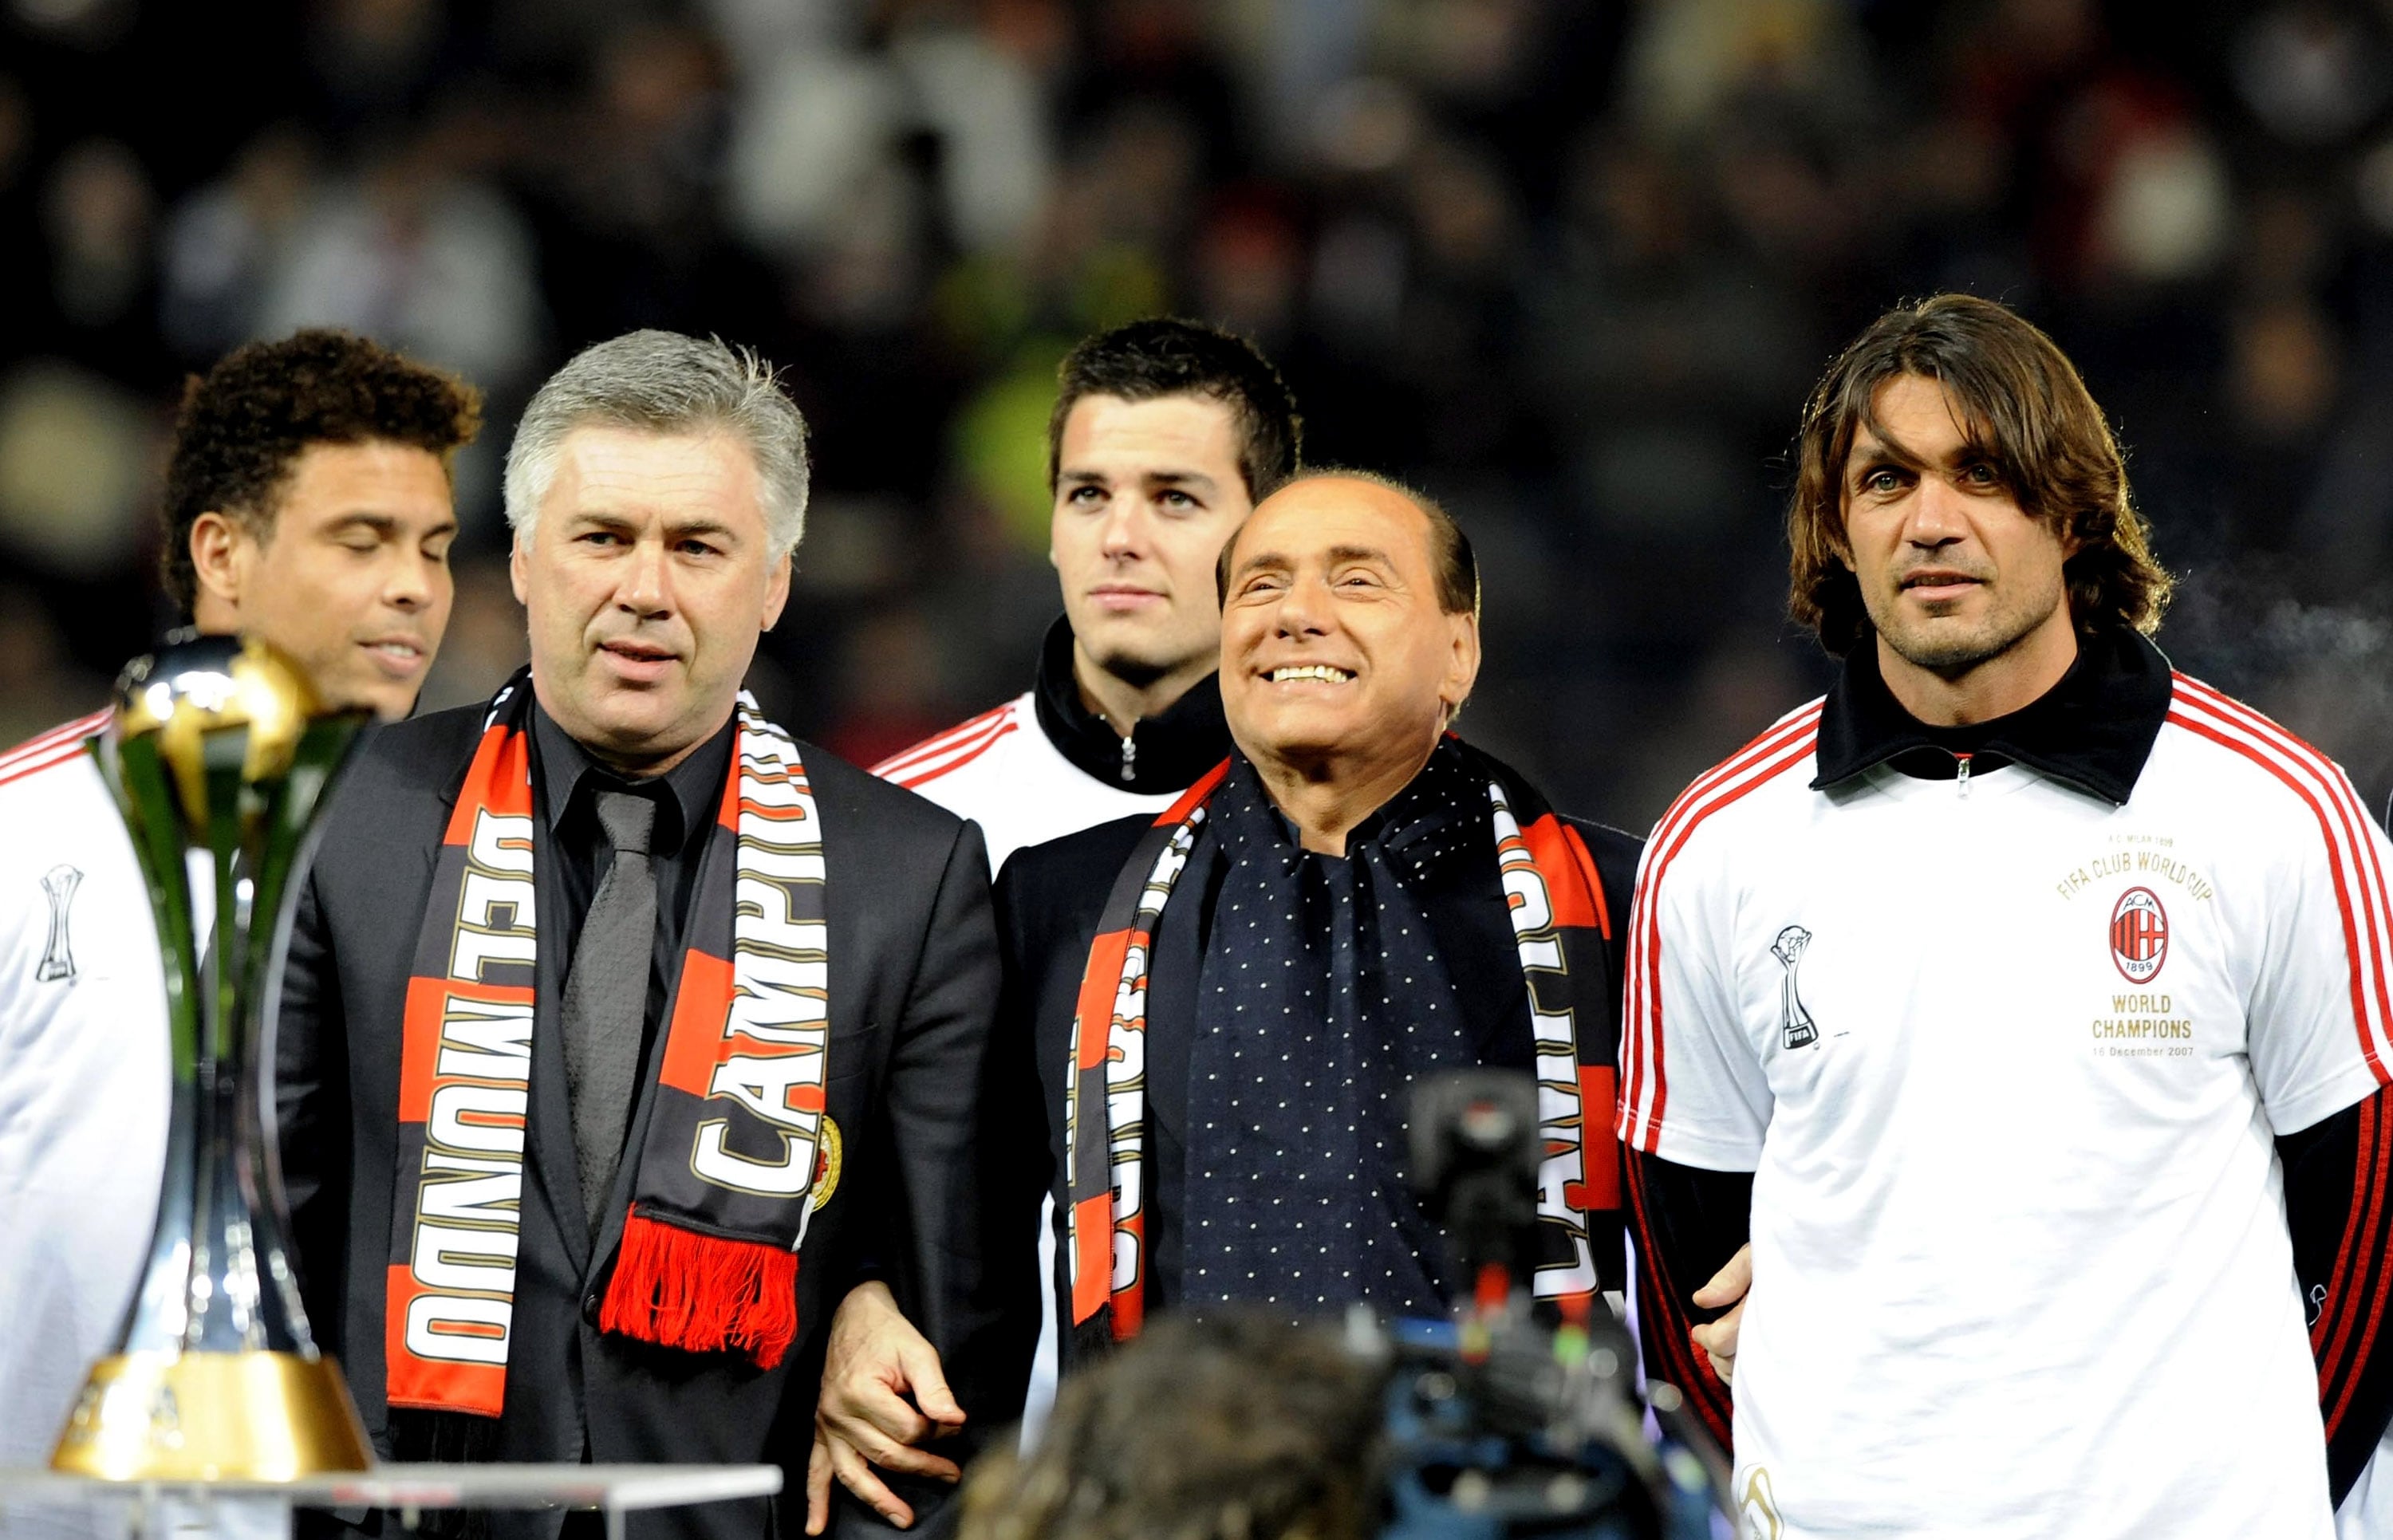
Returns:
<point x="850" y="1044"/>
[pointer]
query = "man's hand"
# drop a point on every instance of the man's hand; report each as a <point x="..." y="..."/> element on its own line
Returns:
<point x="1729" y="1287"/>
<point x="874" y="1361"/>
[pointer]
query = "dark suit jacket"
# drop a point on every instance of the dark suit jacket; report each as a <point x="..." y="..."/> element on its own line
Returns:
<point x="1050" y="899"/>
<point x="914" y="978"/>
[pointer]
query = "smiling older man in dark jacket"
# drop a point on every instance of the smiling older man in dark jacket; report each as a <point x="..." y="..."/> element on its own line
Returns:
<point x="1215" y="1013"/>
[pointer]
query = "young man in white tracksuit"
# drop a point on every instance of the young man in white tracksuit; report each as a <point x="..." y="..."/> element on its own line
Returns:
<point x="2014" y="1021"/>
<point x="1164" y="436"/>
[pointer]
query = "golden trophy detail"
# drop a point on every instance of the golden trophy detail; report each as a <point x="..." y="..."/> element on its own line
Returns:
<point x="219" y="756"/>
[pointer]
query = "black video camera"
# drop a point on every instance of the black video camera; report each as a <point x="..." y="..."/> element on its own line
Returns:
<point x="1516" y="1416"/>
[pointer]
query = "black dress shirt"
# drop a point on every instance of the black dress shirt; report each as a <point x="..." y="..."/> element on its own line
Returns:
<point x="565" y="781"/>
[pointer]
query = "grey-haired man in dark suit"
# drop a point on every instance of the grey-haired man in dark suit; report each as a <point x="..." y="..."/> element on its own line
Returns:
<point x="609" y="999"/>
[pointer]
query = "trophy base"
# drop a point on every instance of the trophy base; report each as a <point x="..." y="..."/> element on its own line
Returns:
<point x="246" y="1417"/>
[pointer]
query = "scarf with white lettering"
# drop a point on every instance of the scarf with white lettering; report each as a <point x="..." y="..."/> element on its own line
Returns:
<point x="1560" y="925"/>
<point x="708" y="1261"/>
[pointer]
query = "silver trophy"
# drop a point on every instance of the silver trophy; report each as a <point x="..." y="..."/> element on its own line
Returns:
<point x="1795" y="1023"/>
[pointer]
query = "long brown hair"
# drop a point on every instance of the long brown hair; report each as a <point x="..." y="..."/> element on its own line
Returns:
<point x="2026" y="410"/>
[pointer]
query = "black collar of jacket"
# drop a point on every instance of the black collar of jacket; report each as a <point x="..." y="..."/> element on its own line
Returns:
<point x="2093" y="730"/>
<point x="696" y="783"/>
<point x="1170" y="749"/>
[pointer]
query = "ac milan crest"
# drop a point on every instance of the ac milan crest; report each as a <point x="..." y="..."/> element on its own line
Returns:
<point x="2139" y="936"/>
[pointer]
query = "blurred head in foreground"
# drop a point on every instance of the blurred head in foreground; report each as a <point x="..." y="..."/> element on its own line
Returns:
<point x="1215" y="1427"/>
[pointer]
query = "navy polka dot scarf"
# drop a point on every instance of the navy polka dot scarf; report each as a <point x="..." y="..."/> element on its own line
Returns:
<point x="1321" y="996"/>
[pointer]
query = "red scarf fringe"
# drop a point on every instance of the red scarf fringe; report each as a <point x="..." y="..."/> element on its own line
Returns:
<point x="704" y="1293"/>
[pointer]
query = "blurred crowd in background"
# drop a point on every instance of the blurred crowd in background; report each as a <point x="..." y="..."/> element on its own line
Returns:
<point x="1570" y="264"/>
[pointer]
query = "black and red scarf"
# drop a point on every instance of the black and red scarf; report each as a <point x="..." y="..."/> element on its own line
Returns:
<point x="727" y="1170"/>
<point x="1560" y="923"/>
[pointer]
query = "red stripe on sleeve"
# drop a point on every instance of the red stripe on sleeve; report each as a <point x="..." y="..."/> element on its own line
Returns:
<point x="65" y="735"/>
<point x="2376" y="909"/>
<point x="1642" y="1121"/>
<point x="2361" y="1020"/>
<point x="923" y="774"/>
<point x="1640" y="989"/>
<point x="1667" y="1327"/>
<point x="906" y="761"/>
<point x="33" y="765"/>
<point x="2357" y="1305"/>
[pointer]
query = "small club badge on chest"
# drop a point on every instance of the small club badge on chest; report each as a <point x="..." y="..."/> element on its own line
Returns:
<point x="2140" y="934"/>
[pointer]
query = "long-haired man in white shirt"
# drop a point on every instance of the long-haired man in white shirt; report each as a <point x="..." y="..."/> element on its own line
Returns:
<point x="2027" y="1003"/>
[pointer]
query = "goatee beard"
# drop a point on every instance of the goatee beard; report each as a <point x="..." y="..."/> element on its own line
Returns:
<point x="1951" y="656"/>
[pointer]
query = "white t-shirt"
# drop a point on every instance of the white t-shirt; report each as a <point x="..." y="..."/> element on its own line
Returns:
<point x="1002" y="771"/>
<point x="84" y="1092"/>
<point x="2006" y="1062"/>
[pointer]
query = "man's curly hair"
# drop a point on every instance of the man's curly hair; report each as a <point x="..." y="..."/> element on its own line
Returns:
<point x="244" y="423"/>
<point x="1219" y="1427"/>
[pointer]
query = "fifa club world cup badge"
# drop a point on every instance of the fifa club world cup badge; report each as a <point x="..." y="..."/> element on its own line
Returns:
<point x="57" y="958"/>
<point x="1794" y="1021"/>
<point x="2139" y="936"/>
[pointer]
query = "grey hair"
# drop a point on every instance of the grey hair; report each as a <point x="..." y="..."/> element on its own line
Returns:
<point x="663" y="382"/>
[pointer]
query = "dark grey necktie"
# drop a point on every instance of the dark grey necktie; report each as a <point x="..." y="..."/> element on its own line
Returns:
<point x="607" y="995"/>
